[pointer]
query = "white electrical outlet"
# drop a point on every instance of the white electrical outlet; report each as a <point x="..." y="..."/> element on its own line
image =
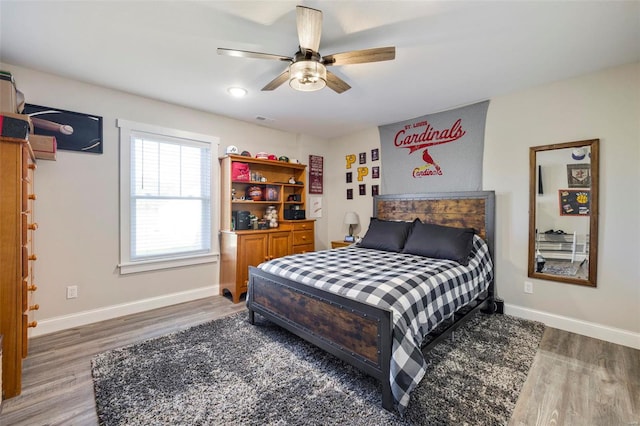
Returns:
<point x="528" y="287"/>
<point x="72" y="291"/>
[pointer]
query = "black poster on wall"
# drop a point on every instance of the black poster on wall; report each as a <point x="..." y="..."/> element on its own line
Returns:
<point x="73" y="131"/>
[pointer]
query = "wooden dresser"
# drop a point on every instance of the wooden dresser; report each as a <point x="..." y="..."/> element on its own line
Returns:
<point x="283" y="188"/>
<point x="17" y="166"/>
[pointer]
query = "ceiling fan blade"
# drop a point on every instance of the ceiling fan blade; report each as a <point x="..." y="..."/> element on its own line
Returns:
<point x="309" y="27"/>
<point x="376" y="54"/>
<point x="276" y="82"/>
<point x="248" y="54"/>
<point x="336" y="84"/>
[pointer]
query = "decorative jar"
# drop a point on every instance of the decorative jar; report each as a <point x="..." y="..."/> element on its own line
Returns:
<point x="271" y="216"/>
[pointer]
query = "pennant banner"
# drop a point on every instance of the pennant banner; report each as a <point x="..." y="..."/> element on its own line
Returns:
<point x="435" y="153"/>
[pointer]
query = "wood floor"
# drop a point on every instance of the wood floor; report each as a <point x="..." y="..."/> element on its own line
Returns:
<point x="575" y="380"/>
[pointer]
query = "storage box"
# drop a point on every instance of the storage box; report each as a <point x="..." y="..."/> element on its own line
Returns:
<point x="240" y="171"/>
<point x="44" y="147"/>
<point x="11" y="99"/>
<point x="14" y="125"/>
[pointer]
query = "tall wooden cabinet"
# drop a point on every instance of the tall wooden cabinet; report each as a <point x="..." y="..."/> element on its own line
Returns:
<point x="240" y="249"/>
<point x="17" y="165"/>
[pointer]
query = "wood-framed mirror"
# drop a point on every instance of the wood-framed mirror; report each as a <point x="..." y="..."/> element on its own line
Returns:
<point x="563" y="212"/>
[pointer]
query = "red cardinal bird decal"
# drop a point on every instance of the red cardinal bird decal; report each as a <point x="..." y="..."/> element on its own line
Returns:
<point x="427" y="159"/>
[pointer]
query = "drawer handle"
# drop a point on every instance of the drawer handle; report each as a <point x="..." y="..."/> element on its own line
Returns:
<point x="34" y="307"/>
<point x="32" y="324"/>
<point x="304" y="237"/>
<point x="32" y="287"/>
<point x="33" y="226"/>
<point x="32" y="257"/>
<point x="32" y="196"/>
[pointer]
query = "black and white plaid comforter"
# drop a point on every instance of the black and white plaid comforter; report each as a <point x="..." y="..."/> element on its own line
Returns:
<point x="421" y="293"/>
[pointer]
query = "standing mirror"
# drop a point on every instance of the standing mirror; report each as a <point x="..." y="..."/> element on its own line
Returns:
<point x="563" y="212"/>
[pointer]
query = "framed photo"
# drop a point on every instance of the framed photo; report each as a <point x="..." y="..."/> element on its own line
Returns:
<point x="73" y="131"/>
<point x="349" y="239"/>
<point x="350" y="194"/>
<point x="363" y="189"/>
<point x="375" y="190"/>
<point x="363" y="158"/>
<point x="375" y="154"/>
<point x="349" y="177"/>
<point x="316" y="173"/>
<point x="375" y="172"/>
<point x="579" y="175"/>
<point x="574" y="202"/>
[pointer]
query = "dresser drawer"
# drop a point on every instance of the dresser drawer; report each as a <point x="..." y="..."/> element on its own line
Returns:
<point x="302" y="237"/>
<point x="303" y="226"/>
<point x="303" y="248"/>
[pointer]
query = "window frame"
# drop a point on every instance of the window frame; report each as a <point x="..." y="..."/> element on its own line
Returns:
<point x="127" y="265"/>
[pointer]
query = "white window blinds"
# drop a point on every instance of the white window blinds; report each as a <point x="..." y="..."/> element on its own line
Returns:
<point x="166" y="197"/>
<point x="170" y="197"/>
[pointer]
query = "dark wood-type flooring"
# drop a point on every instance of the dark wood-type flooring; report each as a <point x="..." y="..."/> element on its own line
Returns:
<point x="575" y="380"/>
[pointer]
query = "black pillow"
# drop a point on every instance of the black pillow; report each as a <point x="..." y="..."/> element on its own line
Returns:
<point x="387" y="235"/>
<point x="440" y="242"/>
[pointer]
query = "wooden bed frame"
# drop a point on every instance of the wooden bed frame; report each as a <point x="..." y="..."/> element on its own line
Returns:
<point x="355" y="332"/>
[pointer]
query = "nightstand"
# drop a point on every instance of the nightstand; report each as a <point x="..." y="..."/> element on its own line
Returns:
<point x="339" y="244"/>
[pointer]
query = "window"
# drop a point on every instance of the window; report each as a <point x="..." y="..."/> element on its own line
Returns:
<point x="167" y="209"/>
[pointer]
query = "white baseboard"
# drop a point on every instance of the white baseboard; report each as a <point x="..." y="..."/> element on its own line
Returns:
<point x="585" y="328"/>
<point x="66" y="322"/>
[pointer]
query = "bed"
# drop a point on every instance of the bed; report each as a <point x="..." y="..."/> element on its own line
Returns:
<point x="373" y="320"/>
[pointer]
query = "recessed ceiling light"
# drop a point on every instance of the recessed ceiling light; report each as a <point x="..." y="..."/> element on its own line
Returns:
<point x="237" y="92"/>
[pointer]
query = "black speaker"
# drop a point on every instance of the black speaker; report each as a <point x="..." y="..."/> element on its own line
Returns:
<point x="242" y="219"/>
<point x="498" y="305"/>
<point x="294" y="214"/>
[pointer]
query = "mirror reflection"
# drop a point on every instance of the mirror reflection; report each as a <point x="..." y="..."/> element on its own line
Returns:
<point x="563" y="218"/>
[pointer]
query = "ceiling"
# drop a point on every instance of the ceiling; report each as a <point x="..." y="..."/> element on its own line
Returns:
<point x="448" y="53"/>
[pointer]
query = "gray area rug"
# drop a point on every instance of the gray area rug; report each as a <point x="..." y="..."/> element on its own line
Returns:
<point x="228" y="372"/>
<point x="570" y="269"/>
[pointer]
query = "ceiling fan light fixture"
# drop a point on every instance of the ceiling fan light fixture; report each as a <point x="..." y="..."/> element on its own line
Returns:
<point x="307" y="76"/>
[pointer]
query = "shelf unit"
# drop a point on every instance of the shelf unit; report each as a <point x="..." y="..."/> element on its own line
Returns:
<point x="240" y="249"/>
<point x="573" y="247"/>
<point x="276" y="174"/>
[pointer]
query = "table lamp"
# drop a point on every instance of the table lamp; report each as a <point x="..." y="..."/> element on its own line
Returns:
<point x="351" y="219"/>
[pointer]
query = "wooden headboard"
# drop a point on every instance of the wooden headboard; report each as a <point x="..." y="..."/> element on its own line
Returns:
<point x="459" y="209"/>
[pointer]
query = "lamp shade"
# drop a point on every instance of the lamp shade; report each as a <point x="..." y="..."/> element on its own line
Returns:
<point x="351" y="218"/>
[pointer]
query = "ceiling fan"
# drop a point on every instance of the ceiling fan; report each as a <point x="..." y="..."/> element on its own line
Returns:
<point x="307" y="70"/>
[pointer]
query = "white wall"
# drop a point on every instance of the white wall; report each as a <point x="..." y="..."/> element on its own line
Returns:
<point x="604" y="105"/>
<point x="356" y="143"/>
<point x="77" y="209"/>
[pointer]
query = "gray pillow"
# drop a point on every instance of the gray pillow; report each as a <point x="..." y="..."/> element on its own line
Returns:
<point x="387" y="235"/>
<point x="440" y="242"/>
